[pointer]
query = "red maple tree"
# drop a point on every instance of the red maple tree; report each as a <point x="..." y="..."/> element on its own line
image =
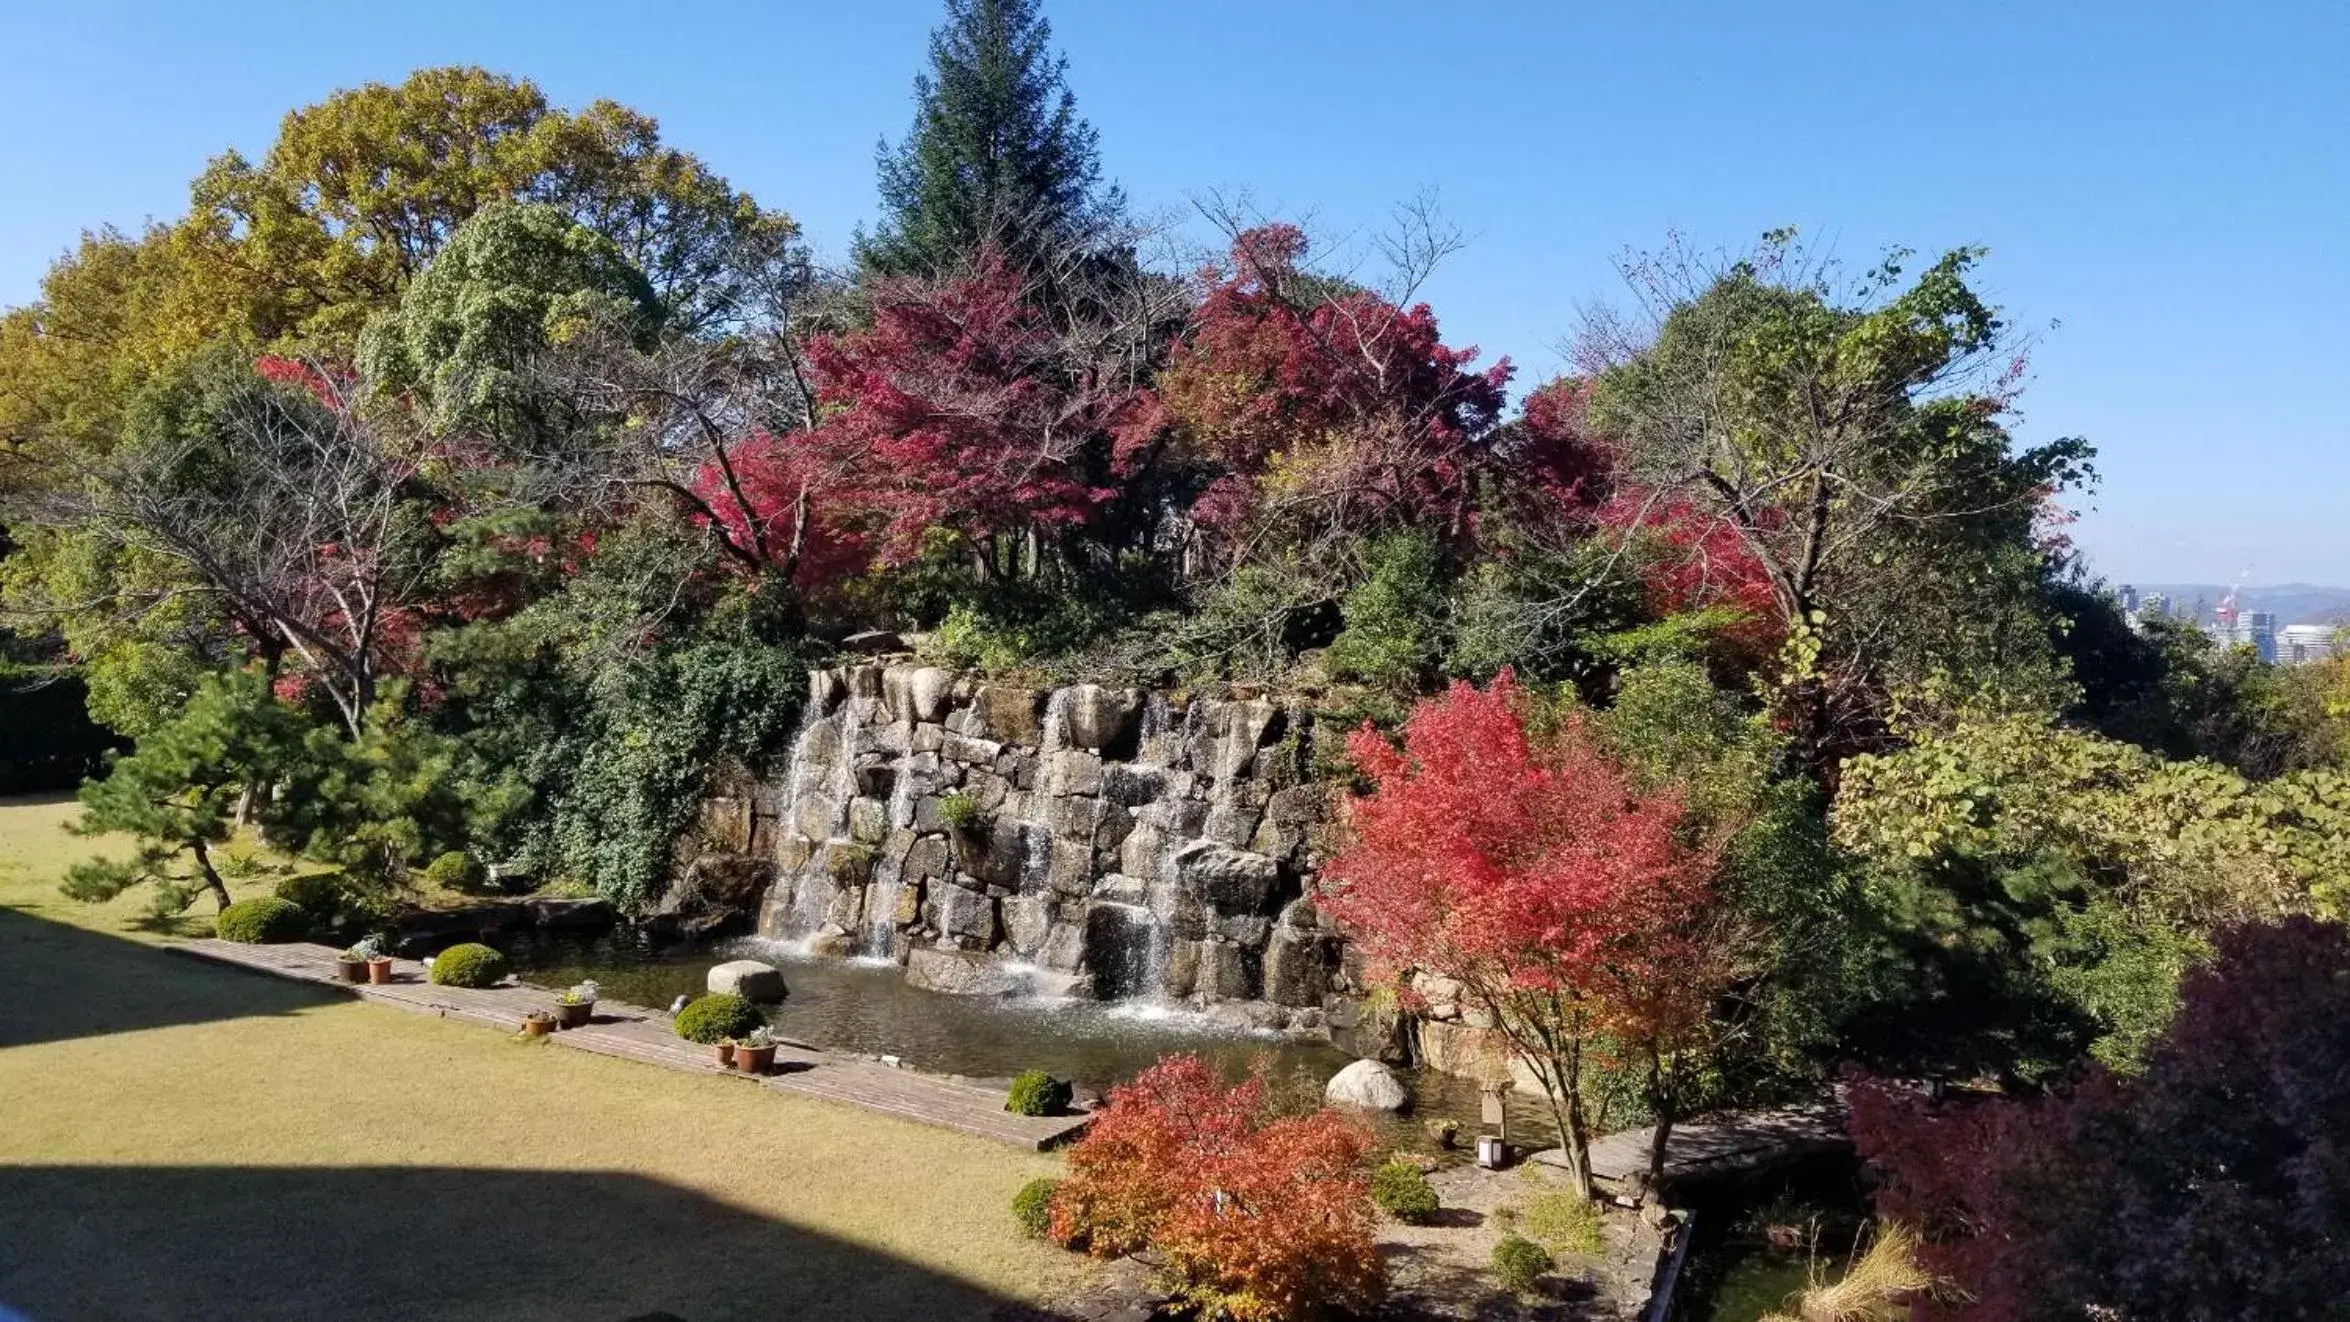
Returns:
<point x="1324" y="407"/>
<point x="1261" y="1217"/>
<point x="1526" y="867"/>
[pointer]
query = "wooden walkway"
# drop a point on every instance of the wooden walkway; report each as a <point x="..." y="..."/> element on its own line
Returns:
<point x="1719" y="1146"/>
<point x="635" y="1033"/>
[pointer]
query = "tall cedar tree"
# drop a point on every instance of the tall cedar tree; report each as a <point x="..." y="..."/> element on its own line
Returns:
<point x="996" y="153"/>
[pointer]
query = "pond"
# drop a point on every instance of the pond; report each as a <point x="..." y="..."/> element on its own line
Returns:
<point x="867" y="1008"/>
<point x="1759" y="1244"/>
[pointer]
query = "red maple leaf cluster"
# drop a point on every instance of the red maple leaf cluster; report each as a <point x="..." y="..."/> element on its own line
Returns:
<point x="1259" y="1215"/>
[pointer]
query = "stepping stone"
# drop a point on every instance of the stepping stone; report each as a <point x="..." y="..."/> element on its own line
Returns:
<point x="749" y="979"/>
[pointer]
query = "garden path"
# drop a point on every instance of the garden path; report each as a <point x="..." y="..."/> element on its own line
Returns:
<point x="636" y="1033"/>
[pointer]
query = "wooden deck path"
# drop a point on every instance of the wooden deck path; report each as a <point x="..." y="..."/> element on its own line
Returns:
<point x="635" y="1033"/>
<point x="1718" y="1146"/>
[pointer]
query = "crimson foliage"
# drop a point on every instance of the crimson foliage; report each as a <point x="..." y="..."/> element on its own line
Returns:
<point x="2216" y="1184"/>
<point x="1261" y="1217"/>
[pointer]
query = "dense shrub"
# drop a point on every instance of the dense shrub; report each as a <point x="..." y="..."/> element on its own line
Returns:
<point x="261" y="920"/>
<point x="717" y="1017"/>
<point x="1260" y="1217"/>
<point x="1520" y="1263"/>
<point x="469" y="965"/>
<point x="1564" y="1222"/>
<point x="328" y="898"/>
<point x="1038" y="1093"/>
<point x="456" y="871"/>
<point x="47" y="739"/>
<point x="1032" y="1207"/>
<point x="1404" y="1193"/>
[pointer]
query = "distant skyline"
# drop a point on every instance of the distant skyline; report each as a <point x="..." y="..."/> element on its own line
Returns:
<point x="2165" y="187"/>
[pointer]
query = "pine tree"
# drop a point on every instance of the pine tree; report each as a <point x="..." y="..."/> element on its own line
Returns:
<point x="996" y="153"/>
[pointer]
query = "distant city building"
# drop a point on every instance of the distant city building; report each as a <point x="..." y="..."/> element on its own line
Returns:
<point x="2254" y="629"/>
<point x="2306" y="644"/>
<point x="2129" y="601"/>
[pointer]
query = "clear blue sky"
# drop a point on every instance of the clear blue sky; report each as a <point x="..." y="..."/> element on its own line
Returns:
<point x="2165" y="187"/>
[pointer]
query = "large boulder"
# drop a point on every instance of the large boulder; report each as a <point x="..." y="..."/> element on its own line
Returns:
<point x="1099" y="718"/>
<point x="1297" y="967"/>
<point x="963" y="973"/>
<point x="1011" y="714"/>
<point x="1028" y="920"/>
<point x="1366" y="1085"/>
<point x="747" y="978"/>
<point x="916" y="693"/>
<point x="1226" y="973"/>
<point x="966" y="914"/>
<point x="1232" y="880"/>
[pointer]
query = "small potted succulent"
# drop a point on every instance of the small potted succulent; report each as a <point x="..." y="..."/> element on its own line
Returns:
<point x="351" y="965"/>
<point x="575" y="1007"/>
<point x="538" y="1023"/>
<point x="755" y="1052"/>
<point x="376" y="950"/>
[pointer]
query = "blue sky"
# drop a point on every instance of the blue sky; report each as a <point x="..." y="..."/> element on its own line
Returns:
<point x="2165" y="187"/>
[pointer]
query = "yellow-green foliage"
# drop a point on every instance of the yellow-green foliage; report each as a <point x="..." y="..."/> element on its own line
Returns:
<point x="1564" y="1222"/>
<point x="261" y="920"/>
<point x="468" y="965"/>
<point x="2192" y="839"/>
<point x="1520" y="1263"/>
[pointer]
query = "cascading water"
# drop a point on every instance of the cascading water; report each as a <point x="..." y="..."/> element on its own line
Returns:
<point x="887" y="889"/>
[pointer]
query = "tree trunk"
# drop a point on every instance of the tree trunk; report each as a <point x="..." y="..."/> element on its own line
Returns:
<point x="212" y="881"/>
<point x="1661" y="1104"/>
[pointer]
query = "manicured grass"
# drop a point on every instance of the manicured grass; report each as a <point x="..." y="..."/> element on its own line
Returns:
<point x="183" y="1140"/>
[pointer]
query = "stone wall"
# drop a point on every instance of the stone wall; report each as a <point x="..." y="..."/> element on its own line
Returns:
<point x="1078" y="841"/>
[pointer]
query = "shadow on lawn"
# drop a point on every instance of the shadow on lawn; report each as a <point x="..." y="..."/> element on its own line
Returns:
<point x="432" y="1242"/>
<point x="59" y="982"/>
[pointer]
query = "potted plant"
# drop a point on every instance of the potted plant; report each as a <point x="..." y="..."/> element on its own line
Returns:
<point x="725" y="1050"/>
<point x="755" y="1054"/>
<point x="575" y="1007"/>
<point x="538" y="1023"/>
<point x="351" y="965"/>
<point x="1445" y="1133"/>
<point x="374" y="949"/>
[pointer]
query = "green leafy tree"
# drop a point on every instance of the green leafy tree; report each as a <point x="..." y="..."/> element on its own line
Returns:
<point x="997" y="153"/>
<point x="1394" y="617"/>
<point x="515" y="278"/>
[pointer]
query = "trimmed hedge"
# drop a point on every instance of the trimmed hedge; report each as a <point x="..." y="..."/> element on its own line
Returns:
<point x="1035" y="1092"/>
<point x="1520" y="1263"/>
<point x="1404" y="1193"/>
<point x="456" y="871"/>
<point x="469" y="965"/>
<point x="717" y="1017"/>
<point x="1032" y="1207"/>
<point x="262" y="920"/>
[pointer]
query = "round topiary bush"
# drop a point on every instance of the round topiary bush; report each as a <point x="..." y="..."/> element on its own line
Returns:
<point x="456" y="871"/>
<point x="469" y="965"/>
<point x="262" y="920"/>
<point x="1032" y="1207"/>
<point x="1035" y="1092"/>
<point x="1404" y="1193"/>
<point x="717" y="1017"/>
<point x="1520" y="1263"/>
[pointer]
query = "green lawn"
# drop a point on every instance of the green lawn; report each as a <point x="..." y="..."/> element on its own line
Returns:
<point x="182" y="1140"/>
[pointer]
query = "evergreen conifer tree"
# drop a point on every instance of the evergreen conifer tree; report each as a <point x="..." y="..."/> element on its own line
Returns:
<point x="996" y="153"/>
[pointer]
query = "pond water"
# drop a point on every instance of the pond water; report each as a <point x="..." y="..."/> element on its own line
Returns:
<point x="1736" y="1273"/>
<point x="868" y="1009"/>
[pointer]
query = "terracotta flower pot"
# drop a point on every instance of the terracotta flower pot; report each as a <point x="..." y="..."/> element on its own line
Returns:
<point x="726" y="1055"/>
<point x="755" y="1060"/>
<point x="350" y="970"/>
<point x="568" y="1015"/>
<point x="538" y="1025"/>
<point x="379" y="970"/>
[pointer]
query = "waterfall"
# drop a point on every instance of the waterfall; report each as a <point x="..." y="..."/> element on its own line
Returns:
<point x="1132" y="963"/>
<point x="1056" y="721"/>
<point x="888" y="884"/>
